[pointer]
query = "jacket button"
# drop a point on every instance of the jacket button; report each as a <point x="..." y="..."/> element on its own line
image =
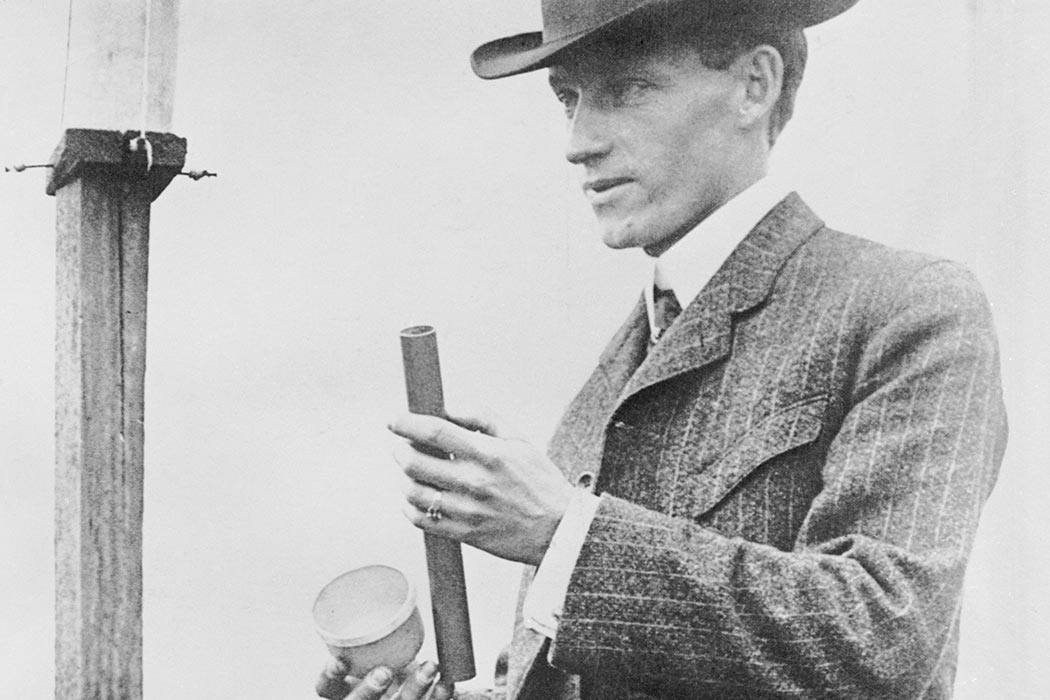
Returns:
<point x="585" y="480"/>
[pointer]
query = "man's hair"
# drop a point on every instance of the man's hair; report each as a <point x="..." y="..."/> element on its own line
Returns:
<point x="720" y="42"/>
<point x="719" y="46"/>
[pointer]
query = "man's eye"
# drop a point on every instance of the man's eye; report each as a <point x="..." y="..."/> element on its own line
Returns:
<point x="628" y="91"/>
<point x="568" y="101"/>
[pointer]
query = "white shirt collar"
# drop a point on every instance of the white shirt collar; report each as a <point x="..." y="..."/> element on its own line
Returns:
<point x="688" y="265"/>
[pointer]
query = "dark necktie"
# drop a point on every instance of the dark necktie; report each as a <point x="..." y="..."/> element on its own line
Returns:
<point x="665" y="310"/>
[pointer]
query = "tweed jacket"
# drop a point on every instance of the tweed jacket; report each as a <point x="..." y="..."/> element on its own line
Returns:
<point x="790" y="481"/>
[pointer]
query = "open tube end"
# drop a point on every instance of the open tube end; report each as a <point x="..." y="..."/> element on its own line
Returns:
<point x="417" y="331"/>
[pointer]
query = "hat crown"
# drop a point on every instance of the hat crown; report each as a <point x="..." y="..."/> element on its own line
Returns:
<point x="566" y="23"/>
<point x="565" y="18"/>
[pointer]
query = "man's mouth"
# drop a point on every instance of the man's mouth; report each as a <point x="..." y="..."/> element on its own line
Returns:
<point x="603" y="184"/>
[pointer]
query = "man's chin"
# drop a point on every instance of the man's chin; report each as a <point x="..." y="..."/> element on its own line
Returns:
<point x="651" y="235"/>
<point x="624" y="237"/>
<point x="617" y="244"/>
<point x="619" y="236"/>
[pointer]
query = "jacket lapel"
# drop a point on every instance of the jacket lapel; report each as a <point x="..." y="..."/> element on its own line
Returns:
<point x="576" y="445"/>
<point x="703" y="333"/>
<point x="625" y="351"/>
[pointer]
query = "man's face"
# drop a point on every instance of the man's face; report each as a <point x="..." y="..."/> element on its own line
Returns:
<point x="655" y="132"/>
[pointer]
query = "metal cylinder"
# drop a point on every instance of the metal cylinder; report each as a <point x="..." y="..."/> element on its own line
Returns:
<point x="448" y="591"/>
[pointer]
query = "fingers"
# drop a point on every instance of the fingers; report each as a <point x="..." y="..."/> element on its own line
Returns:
<point x="482" y="422"/>
<point x="440" y="434"/>
<point x="332" y="682"/>
<point x="373" y="685"/>
<point x="423" y="498"/>
<point x="450" y="524"/>
<point x="418" y="683"/>
<point x="425" y="469"/>
<point x="376" y="685"/>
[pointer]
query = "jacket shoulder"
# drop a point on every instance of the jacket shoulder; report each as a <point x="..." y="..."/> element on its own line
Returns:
<point x="888" y="272"/>
<point x="857" y="256"/>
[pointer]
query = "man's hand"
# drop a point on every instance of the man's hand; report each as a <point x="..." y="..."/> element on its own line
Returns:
<point x="497" y="493"/>
<point x="381" y="684"/>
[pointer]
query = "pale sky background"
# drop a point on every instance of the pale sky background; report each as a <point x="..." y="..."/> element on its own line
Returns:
<point x="367" y="182"/>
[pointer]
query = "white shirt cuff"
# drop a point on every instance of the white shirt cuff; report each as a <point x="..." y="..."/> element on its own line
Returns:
<point x="546" y="596"/>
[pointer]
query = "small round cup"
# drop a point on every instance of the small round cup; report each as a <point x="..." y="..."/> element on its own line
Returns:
<point x="368" y="617"/>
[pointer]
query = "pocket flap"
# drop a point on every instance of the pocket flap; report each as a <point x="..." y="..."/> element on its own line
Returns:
<point x="793" y="426"/>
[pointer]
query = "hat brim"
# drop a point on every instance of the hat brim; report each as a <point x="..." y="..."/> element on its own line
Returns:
<point x="526" y="52"/>
<point x="516" y="54"/>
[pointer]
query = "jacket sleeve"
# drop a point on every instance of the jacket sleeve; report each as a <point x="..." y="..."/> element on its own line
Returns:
<point x="866" y="601"/>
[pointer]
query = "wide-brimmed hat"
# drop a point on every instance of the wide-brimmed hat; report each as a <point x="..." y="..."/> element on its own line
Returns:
<point x="567" y="23"/>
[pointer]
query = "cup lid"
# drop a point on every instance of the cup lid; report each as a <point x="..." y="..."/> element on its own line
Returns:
<point x="363" y="605"/>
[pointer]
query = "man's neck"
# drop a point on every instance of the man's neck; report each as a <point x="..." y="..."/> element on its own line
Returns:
<point x="688" y="266"/>
<point x="740" y="184"/>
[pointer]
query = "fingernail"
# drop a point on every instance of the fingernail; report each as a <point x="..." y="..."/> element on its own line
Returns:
<point x="444" y="691"/>
<point x="381" y="678"/>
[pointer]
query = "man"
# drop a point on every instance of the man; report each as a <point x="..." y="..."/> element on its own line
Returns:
<point x="790" y="468"/>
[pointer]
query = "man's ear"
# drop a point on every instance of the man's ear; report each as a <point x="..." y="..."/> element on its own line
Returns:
<point x="761" y="72"/>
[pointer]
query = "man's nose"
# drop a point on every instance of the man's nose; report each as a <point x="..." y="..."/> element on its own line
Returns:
<point x="589" y="136"/>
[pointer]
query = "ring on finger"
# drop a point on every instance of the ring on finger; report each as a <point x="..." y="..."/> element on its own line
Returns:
<point x="434" y="509"/>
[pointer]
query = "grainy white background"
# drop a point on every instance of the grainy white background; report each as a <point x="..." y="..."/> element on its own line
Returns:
<point x="369" y="181"/>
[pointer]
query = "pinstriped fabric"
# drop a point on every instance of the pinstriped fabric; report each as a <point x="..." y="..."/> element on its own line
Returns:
<point x="792" y="479"/>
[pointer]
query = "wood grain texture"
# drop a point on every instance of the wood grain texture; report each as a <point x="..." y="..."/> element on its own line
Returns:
<point x="102" y="247"/>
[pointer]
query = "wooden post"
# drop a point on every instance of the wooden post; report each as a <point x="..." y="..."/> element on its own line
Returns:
<point x="103" y="195"/>
<point x="120" y="77"/>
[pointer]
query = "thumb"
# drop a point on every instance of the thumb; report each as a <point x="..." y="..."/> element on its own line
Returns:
<point x="443" y="691"/>
<point x="332" y="682"/>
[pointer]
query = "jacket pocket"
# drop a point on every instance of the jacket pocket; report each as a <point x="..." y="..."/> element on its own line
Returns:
<point x="791" y="427"/>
